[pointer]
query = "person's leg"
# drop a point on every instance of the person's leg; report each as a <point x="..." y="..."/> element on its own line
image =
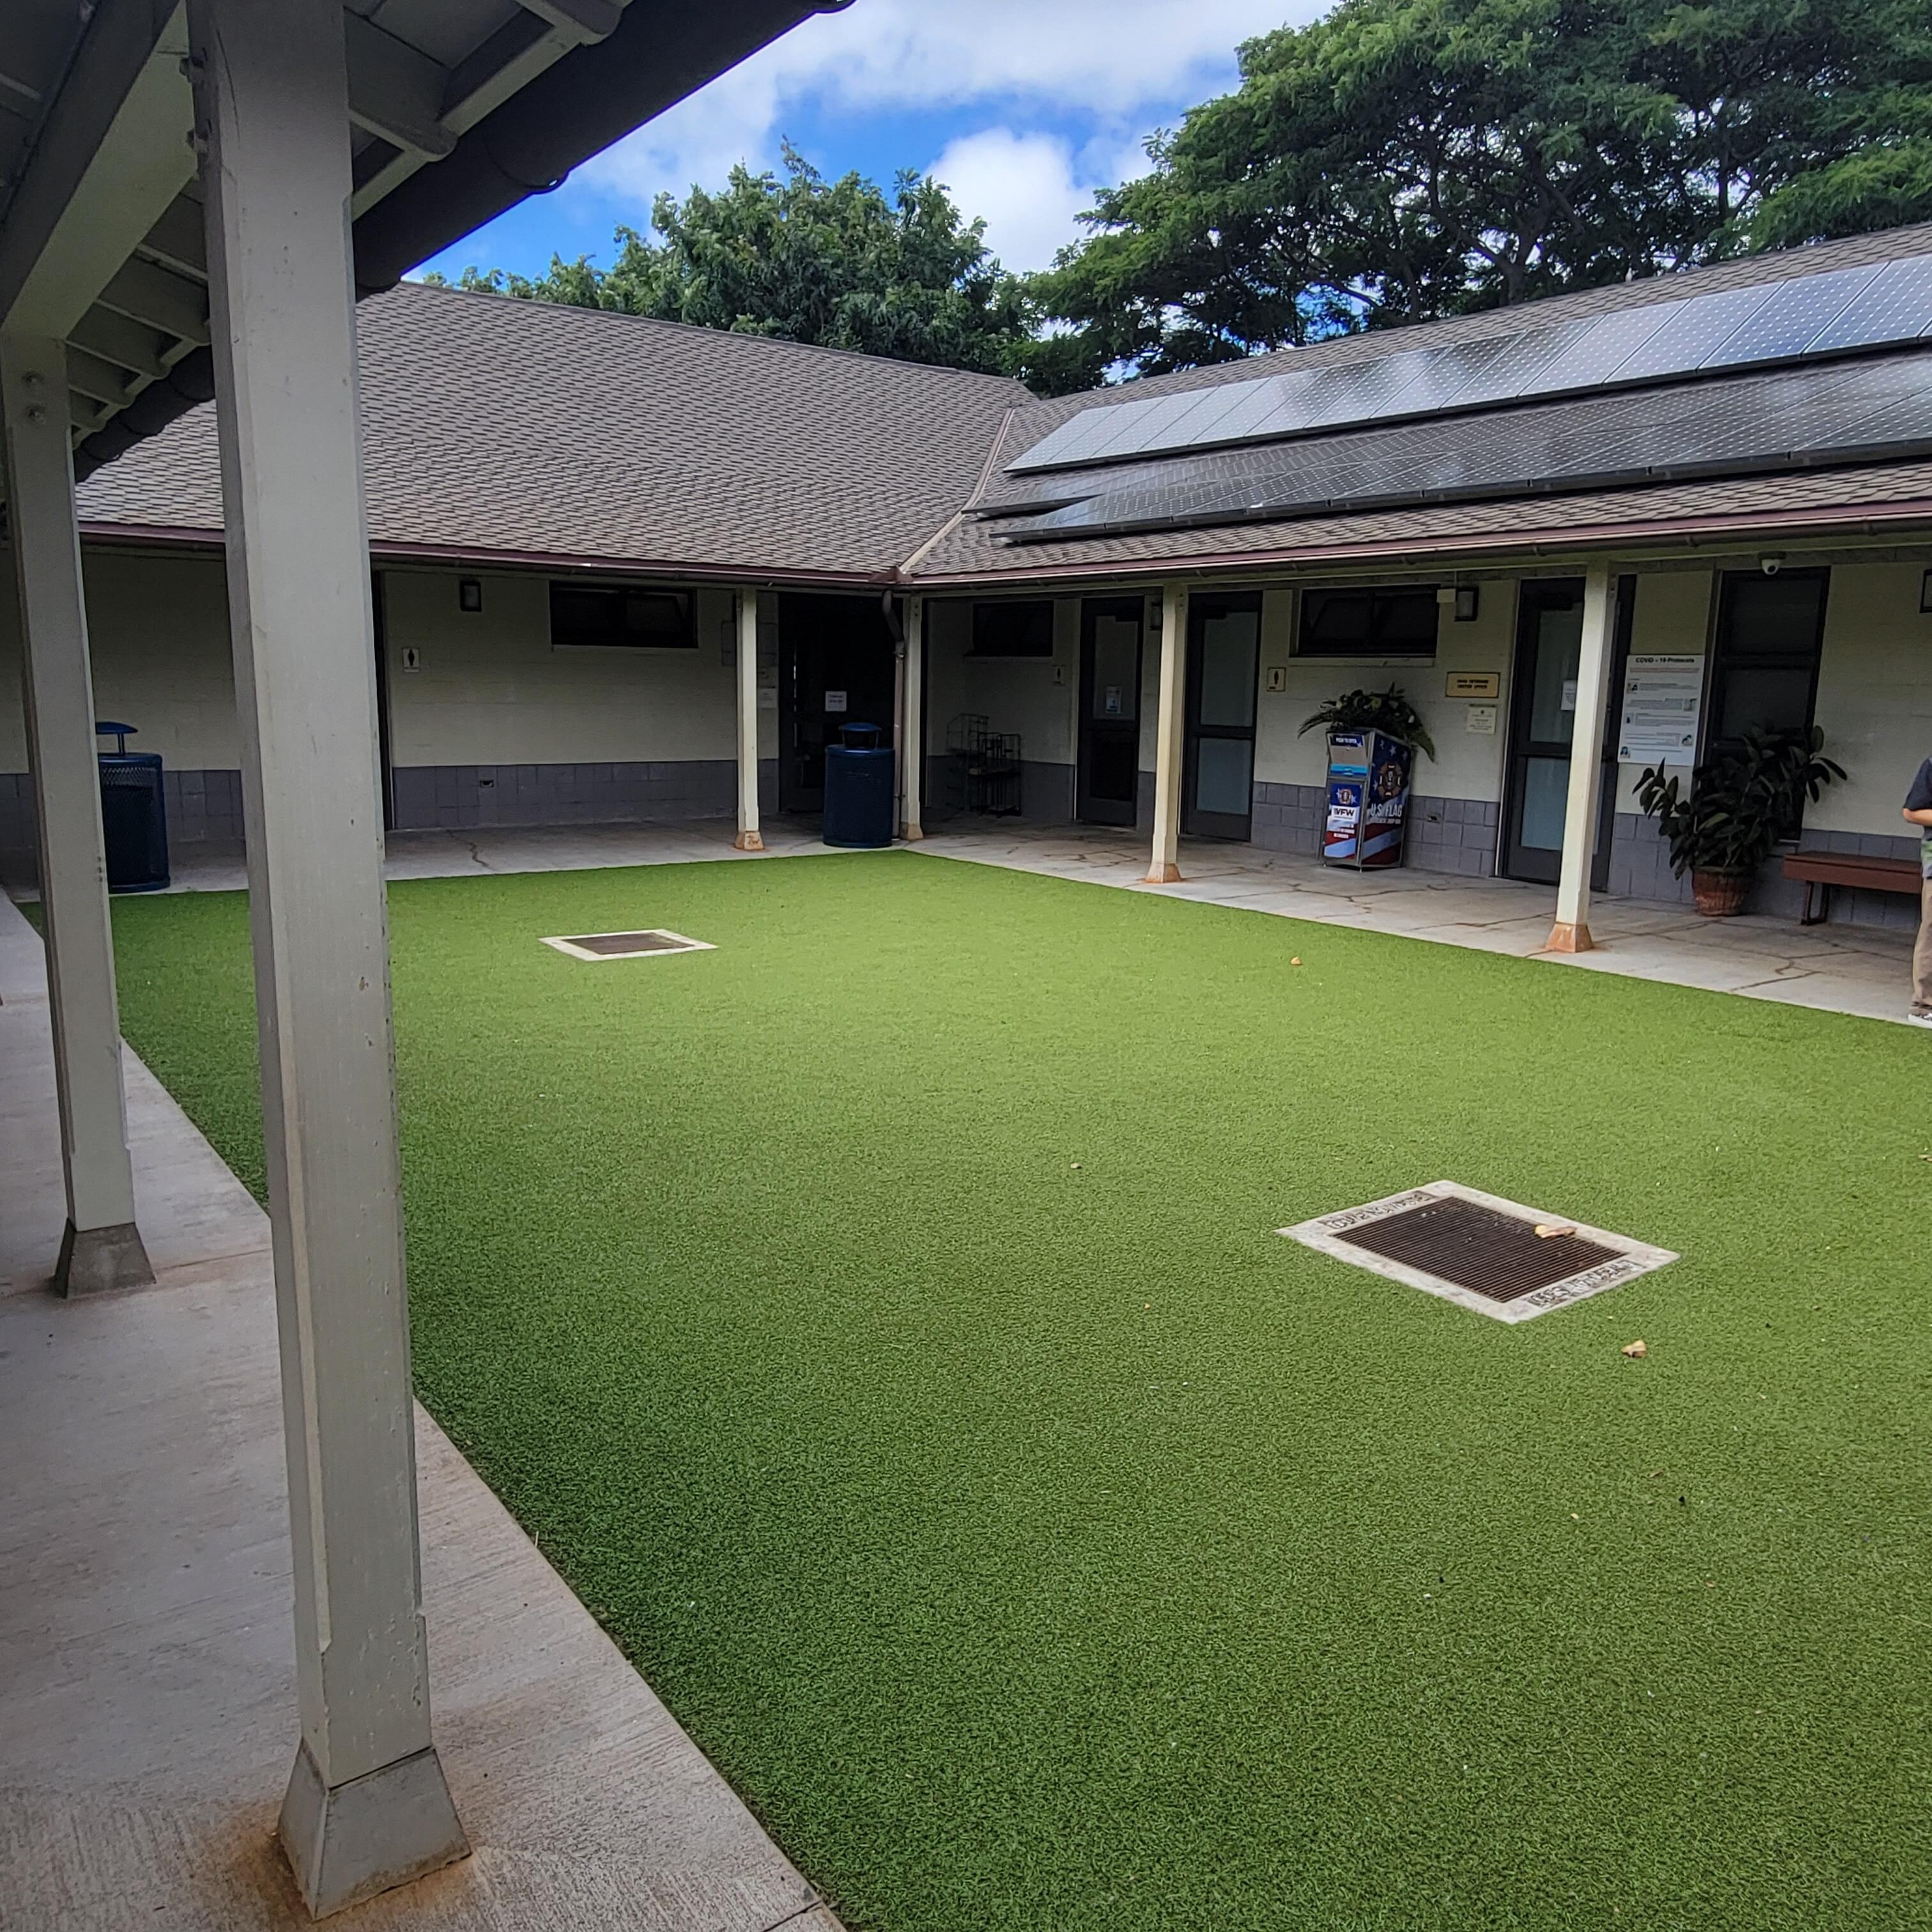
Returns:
<point x="1921" y="954"/>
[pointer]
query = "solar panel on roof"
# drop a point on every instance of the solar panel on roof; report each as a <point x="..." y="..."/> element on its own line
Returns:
<point x="1898" y="305"/>
<point x="1605" y="341"/>
<point x="1743" y="425"/>
<point x="1699" y="327"/>
<point x="1797" y="314"/>
<point x="1806" y="315"/>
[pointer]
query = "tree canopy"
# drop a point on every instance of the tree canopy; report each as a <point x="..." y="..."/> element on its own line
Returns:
<point x="1401" y="159"/>
<point x="838" y="263"/>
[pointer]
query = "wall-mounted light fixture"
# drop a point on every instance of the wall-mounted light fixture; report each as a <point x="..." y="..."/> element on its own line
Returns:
<point x="470" y="593"/>
<point x="1925" y="595"/>
<point x="1465" y="604"/>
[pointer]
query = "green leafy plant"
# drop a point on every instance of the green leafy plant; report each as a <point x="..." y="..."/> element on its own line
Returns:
<point x="1388" y="712"/>
<point x="1741" y="802"/>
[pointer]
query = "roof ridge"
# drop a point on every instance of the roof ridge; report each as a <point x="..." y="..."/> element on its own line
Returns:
<point x="439" y="290"/>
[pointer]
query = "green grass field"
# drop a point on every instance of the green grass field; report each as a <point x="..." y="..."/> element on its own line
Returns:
<point x="880" y="1320"/>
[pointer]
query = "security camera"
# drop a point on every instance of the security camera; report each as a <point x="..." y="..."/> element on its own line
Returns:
<point x="1771" y="566"/>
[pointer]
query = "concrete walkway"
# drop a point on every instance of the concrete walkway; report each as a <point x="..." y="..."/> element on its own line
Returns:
<point x="147" y="1701"/>
<point x="1845" y="969"/>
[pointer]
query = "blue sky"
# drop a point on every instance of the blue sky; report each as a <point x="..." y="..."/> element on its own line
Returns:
<point x="1023" y="107"/>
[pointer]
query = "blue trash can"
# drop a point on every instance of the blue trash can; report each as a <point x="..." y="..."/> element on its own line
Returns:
<point x="133" y="814"/>
<point x="858" y="789"/>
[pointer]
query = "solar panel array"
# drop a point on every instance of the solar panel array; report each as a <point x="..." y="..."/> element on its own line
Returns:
<point x="1831" y="313"/>
<point x="1747" y="424"/>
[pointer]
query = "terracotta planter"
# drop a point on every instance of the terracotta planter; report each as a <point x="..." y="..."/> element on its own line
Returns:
<point x="1720" y="894"/>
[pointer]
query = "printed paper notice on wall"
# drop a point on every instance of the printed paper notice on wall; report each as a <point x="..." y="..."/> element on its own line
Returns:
<point x="834" y="700"/>
<point x="1662" y="698"/>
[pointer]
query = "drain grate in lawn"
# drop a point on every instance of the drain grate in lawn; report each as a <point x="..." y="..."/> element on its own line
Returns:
<point x="645" y="945"/>
<point x="1495" y="1256"/>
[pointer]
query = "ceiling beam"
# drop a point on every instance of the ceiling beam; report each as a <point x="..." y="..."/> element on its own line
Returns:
<point x="584" y="20"/>
<point x="132" y="346"/>
<point x="112" y="151"/>
<point x="103" y="381"/>
<point x="179" y="239"/>
<point x="164" y="300"/>
<point x="396" y="92"/>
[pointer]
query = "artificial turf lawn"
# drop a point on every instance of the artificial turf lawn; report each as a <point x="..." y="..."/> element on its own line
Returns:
<point x="880" y="1320"/>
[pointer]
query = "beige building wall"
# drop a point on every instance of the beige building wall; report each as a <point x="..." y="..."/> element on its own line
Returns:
<point x="158" y="628"/>
<point x="490" y="688"/>
<point x="1035" y="696"/>
<point x="1467" y="764"/>
<point x="1874" y="695"/>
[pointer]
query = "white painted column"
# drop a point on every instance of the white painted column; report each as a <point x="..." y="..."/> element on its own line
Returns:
<point x="1169" y="746"/>
<point x="1571" y="932"/>
<point x="100" y="1248"/>
<point x="367" y="1806"/>
<point x="912" y="724"/>
<point x="748" y="839"/>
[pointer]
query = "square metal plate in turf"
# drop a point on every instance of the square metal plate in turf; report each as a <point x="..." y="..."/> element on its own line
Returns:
<point x="1480" y="1251"/>
<point x="647" y="945"/>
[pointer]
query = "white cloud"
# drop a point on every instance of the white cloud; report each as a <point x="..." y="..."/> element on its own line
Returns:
<point x="1023" y="185"/>
<point x="1108" y="60"/>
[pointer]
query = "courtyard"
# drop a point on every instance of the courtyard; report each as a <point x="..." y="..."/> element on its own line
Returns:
<point x="878" y="1321"/>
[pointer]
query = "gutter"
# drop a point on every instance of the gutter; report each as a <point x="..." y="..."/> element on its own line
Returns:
<point x="162" y="536"/>
<point x="1688" y="533"/>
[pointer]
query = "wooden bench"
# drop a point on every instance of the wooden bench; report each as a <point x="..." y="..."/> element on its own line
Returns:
<point x="1821" y="871"/>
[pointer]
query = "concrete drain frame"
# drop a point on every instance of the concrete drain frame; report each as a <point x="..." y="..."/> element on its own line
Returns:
<point x="1604" y="1260"/>
<point x="656" y="942"/>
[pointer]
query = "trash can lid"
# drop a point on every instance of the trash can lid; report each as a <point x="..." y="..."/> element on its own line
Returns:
<point x="106" y="727"/>
<point x="850" y="733"/>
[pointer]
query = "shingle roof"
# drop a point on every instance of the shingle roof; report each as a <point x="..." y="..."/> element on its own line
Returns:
<point x="496" y="425"/>
<point x="972" y="550"/>
<point x="492" y="426"/>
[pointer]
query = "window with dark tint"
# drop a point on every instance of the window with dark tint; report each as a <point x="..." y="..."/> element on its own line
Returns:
<point x="1765" y="672"/>
<point x="638" y="615"/>
<point x="1393" y="622"/>
<point x="1013" y="628"/>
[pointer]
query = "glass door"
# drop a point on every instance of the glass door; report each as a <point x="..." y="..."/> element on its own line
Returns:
<point x="1110" y="710"/>
<point x="1224" y="643"/>
<point x="1543" y="713"/>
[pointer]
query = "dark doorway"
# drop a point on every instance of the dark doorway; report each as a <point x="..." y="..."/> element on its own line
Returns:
<point x="835" y="668"/>
<point x="1110" y="710"/>
<point x="1224" y="650"/>
<point x="1543" y="714"/>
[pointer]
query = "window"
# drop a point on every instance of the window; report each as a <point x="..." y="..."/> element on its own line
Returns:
<point x="1765" y="672"/>
<point x="641" y="616"/>
<point x="1013" y="628"/>
<point x="1396" y="621"/>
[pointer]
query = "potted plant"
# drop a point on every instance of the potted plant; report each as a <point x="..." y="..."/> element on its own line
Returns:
<point x="1743" y="799"/>
<point x="1373" y="737"/>
<point x="1388" y="712"/>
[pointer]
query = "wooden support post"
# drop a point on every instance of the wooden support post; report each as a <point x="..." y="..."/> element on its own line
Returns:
<point x="100" y="1248"/>
<point x="1164" y="868"/>
<point x="367" y="1807"/>
<point x="749" y="838"/>
<point x="1571" y="932"/>
<point x="912" y="725"/>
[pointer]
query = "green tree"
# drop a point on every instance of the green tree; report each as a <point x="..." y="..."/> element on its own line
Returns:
<point x="1401" y="159"/>
<point x="838" y="263"/>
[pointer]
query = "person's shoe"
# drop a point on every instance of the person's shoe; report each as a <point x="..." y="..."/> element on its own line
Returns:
<point x="1915" y="1018"/>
